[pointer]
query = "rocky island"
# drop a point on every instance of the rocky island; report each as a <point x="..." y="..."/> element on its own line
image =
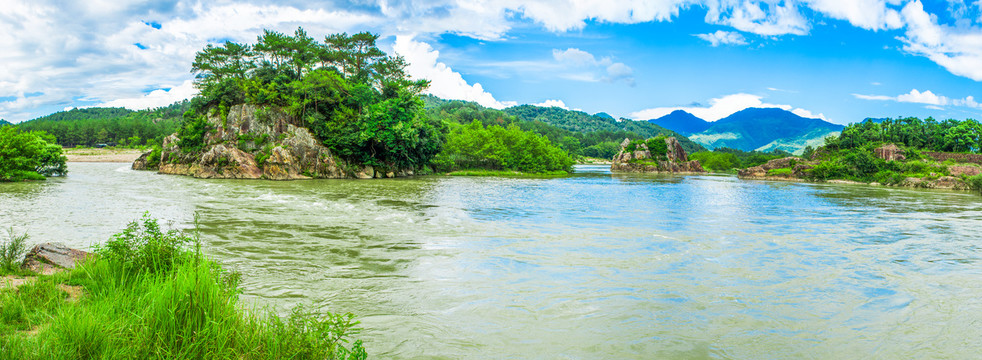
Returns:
<point x="256" y="142"/>
<point x="656" y="155"/>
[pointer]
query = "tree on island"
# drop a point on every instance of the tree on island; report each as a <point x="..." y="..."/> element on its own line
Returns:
<point x="29" y="155"/>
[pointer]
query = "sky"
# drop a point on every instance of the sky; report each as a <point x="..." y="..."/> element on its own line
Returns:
<point x="839" y="60"/>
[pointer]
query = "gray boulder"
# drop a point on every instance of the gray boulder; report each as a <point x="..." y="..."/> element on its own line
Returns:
<point x="53" y="255"/>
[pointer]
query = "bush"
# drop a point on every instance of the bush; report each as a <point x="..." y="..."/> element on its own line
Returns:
<point x="975" y="182"/>
<point x="29" y="155"/>
<point x="11" y="251"/>
<point x="779" y="172"/>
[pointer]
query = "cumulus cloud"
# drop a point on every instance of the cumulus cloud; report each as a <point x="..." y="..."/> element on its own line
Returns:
<point x="957" y="49"/>
<point x="866" y="14"/>
<point x="553" y="103"/>
<point x="721" y="37"/>
<point x="779" y="18"/>
<point x="156" y="98"/>
<point x="928" y="98"/>
<point x="444" y="82"/>
<point x="592" y="69"/>
<point x="722" y="107"/>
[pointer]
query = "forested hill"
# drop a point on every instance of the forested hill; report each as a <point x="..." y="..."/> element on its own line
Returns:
<point x="113" y="126"/>
<point x="578" y="121"/>
<point x="4" y="123"/>
<point x="576" y="132"/>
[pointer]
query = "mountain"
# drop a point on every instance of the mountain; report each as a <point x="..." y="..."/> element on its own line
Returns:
<point x="682" y="122"/>
<point x="766" y="129"/>
<point x="4" y="123"/>
<point x="579" y="121"/>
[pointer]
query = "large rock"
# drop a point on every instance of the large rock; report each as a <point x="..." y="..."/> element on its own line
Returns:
<point x="640" y="160"/>
<point x="255" y="142"/>
<point x="890" y="152"/>
<point x="48" y="256"/>
<point x="797" y="165"/>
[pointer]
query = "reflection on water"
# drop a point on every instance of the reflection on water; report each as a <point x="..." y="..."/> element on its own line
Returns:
<point x="592" y="266"/>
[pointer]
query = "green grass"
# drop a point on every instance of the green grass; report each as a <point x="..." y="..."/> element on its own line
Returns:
<point x="151" y="294"/>
<point x="11" y="251"/>
<point x="505" y="173"/>
<point x="780" y="172"/>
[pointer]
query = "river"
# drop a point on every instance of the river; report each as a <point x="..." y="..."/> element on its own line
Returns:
<point x="597" y="265"/>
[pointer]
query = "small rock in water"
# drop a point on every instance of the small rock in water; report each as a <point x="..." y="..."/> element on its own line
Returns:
<point x="48" y="255"/>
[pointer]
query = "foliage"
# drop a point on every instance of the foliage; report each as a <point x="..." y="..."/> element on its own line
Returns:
<point x="29" y="155"/>
<point x="147" y="295"/>
<point x="779" y="172"/>
<point x="355" y="98"/>
<point x="113" y="126"/>
<point x="727" y="159"/>
<point x="578" y="121"/>
<point x="474" y="146"/>
<point x="192" y="132"/>
<point x="153" y="160"/>
<point x="603" y="150"/>
<point x="657" y="146"/>
<point x="975" y="182"/>
<point x="11" y="251"/>
<point x="948" y="135"/>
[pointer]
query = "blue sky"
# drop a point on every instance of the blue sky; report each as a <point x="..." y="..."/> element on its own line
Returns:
<point x="842" y="60"/>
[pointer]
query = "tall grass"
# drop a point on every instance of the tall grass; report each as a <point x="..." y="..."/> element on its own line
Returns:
<point x="11" y="251"/>
<point x="151" y="294"/>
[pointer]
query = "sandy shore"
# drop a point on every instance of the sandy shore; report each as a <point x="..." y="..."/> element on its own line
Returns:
<point x="102" y="155"/>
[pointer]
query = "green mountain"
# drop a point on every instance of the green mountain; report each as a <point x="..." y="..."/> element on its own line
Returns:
<point x="578" y="121"/>
<point x="682" y="122"/>
<point x="114" y="126"/>
<point x="766" y="130"/>
<point x="4" y="123"/>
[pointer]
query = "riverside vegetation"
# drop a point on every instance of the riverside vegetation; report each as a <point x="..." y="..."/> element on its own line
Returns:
<point x="29" y="155"/>
<point x="903" y="152"/>
<point x="353" y="98"/>
<point x="152" y="294"/>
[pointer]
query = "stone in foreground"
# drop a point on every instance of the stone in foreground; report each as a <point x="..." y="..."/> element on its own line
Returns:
<point x="48" y="256"/>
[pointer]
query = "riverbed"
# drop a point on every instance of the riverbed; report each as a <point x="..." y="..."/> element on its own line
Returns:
<point x="597" y="265"/>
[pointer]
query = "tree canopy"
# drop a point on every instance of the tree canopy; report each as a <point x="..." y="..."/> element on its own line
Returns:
<point x="354" y="97"/>
<point x="29" y="155"/>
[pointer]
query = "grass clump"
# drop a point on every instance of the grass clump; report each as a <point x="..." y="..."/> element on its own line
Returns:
<point x="780" y="172"/>
<point x="11" y="252"/>
<point x="151" y="294"/>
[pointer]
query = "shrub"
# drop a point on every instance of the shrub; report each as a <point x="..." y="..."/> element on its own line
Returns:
<point x="11" y="251"/>
<point x="780" y="172"/>
<point x="975" y="182"/>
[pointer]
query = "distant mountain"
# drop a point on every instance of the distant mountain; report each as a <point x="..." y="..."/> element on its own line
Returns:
<point x="579" y="121"/>
<point x="603" y="115"/>
<point x="682" y="122"/>
<point x="4" y="123"/>
<point x="765" y="130"/>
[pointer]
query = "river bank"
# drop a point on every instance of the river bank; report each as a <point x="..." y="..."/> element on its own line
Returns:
<point x="102" y="155"/>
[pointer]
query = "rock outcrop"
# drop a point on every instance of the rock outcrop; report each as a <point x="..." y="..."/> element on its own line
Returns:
<point x="639" y="159"/>
<point x="797" y="167"/>
<point x="254" y="142"/>
<point x="49" y="256"/>
<point x="890" y="152"/>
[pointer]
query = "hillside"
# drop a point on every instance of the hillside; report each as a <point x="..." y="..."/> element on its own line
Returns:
<point x="4" y="123"/>
<point x="682" y="122"/>
<point x="578" y="121"/>
<point x="766" y="129"/>
<point x="114" y="126"/>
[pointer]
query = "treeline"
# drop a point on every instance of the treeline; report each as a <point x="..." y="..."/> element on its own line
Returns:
<point x="948" y="135"/>
<point x="110" y="126"/>
<point x="727" y="159"/>
<point x="851" y="155"/>
<point x="474" y="146"/>
<point x="581" y="141"/>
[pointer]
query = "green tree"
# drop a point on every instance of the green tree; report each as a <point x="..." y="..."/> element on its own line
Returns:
<point x="29" y="155"/>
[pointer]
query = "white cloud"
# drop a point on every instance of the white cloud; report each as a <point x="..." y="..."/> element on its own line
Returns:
<point x="866" y="14"/>
<point x="156" y="98"/>
<point x="932" y="100"/>
<point x="721" y="107"/>
<point x="749" y="16"/>
<point x="553" y="103"/>
<point x="957" y="49"/>
<point x="721" y="37"/>
<point x="602" y="69"/>
<point x="444" y="82"/>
